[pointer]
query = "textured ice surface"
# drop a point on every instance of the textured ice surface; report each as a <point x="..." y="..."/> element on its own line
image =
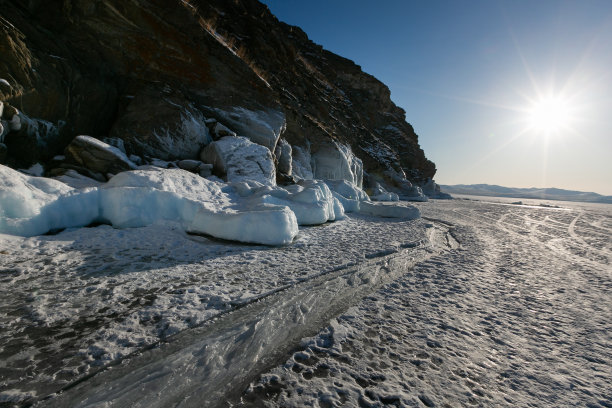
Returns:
<point x="520" y="315"/>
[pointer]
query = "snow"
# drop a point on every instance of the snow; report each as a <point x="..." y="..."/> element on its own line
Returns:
<point x="130" y="288"/>
<point x="33" y="206"/>
<point x="34" y="170"/>
<point x="519" y="315"/>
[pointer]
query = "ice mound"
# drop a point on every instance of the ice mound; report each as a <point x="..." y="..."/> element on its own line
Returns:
<point x="33" y="206"/>
<point x="245" y="211"/>
<point x="311" y="201"/>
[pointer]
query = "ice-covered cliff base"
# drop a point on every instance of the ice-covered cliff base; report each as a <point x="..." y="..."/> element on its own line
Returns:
<point x="245" y="211"/>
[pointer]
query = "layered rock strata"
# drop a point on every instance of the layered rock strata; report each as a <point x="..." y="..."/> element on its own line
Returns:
<point x="169" y="77"/>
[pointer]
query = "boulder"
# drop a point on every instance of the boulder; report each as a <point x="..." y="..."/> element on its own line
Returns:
<point x="97" y="156"/>
<point x="236" y="159"/>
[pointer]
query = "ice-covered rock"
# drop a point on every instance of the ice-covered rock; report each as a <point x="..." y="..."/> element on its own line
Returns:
<point x="311" y="200"/>
<point x="301" y="166"/>
<point x="432" y="190"/>
<point x="336" y="161"/>
<point x="283" y="154"/>
<point x="164" y="125"/>
<point x="97" y="156"/>
<point x="239" y="159"/>
<point x="380" y="194"/>
<point x="263" y="127"/>
<point x="35" y="205"/>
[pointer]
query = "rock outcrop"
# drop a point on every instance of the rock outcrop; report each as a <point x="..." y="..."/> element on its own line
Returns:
<point x="169" y="76"/>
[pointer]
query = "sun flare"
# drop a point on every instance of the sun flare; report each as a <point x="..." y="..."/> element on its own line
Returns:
<point x="550" y="115"/>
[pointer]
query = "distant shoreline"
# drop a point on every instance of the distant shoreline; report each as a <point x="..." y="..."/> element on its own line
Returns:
<point x="553" y="194"/>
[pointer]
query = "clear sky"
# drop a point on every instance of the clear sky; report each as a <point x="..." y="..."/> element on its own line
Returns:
<point x="515" y="93"/>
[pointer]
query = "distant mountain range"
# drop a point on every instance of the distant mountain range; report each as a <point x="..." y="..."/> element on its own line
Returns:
<point x="535" y="193"/>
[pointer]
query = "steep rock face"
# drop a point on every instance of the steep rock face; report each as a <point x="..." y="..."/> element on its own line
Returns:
<point x="152" y="72"/>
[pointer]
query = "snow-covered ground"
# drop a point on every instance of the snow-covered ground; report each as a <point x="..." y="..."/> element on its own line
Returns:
<point x="478" y="304"/>
<point x="74" y="302"/>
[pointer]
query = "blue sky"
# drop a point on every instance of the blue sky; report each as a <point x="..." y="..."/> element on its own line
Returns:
<point x="473" y="77"/>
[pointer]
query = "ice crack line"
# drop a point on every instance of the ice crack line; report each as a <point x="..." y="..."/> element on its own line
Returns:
<point x="205" y="366"/>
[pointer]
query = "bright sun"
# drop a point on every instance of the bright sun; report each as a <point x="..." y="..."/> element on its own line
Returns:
<point x="549" y="115"/>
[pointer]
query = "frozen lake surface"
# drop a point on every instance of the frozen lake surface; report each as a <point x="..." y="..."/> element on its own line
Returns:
<point x="477" y="304"/>
<point x="519" y="316"/>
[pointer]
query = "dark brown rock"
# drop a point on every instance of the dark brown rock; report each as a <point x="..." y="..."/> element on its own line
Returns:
<point x="111" y="68"/>
<point x="97" y="156"/>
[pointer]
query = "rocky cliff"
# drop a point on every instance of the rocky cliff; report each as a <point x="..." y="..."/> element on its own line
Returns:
<point x="165" y="77"/>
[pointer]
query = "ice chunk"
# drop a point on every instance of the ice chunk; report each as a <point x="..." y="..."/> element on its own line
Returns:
<point x="347" y="190"/>
<point x="311" y="200"/>
<point x="35" y="205"/>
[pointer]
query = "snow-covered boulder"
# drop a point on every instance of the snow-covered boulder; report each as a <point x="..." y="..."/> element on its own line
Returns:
<point x="380" y="194"/>
<point x="263" y="127"/>
<point x="336" y="161"/>
<point x="239" y="159"/>
<point x="97" y="156"/>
